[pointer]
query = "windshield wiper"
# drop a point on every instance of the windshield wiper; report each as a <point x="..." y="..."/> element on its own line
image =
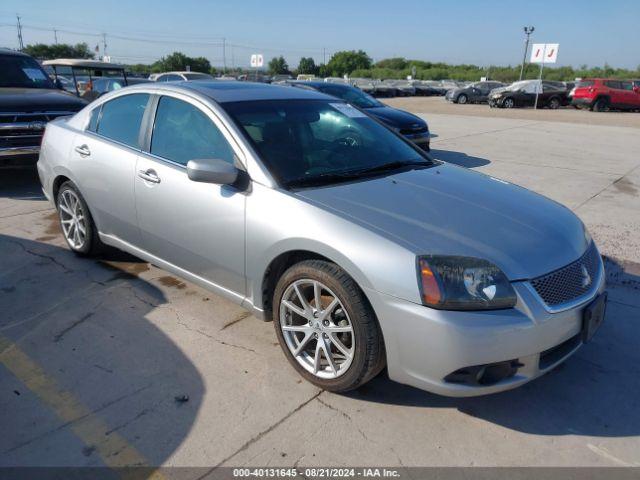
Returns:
<point x="330" y="177"/>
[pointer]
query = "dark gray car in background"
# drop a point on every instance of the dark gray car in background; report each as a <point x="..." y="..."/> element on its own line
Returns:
<point x="475" y="93"/>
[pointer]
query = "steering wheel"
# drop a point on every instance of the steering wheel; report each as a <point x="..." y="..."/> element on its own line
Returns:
<point x="348" y="139"/>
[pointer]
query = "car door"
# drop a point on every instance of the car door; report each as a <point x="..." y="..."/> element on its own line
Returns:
<point x="629" y="96"/>
<point x="198" y="227"/>
<point x="106" y="155"/>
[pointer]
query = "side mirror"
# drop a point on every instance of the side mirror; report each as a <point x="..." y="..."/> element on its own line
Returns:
<point x="58" y="84"/>
<point x="212" y="171"/>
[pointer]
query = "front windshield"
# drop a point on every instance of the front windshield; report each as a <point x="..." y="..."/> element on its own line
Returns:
<point x="302" y="140"/>
<point x="17" y="71"/>
<point x="353" y="95"/>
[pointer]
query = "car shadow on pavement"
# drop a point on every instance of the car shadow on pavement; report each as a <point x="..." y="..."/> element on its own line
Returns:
<point x="87" y="375"/>
<point x="459" y="158"/>
<point x="594" y="393"/>
<point x="21" y="184"/>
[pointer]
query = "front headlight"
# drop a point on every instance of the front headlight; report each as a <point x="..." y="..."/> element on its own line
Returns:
<point x="463" y="283"/>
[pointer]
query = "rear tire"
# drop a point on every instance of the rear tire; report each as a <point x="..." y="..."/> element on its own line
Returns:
<point x="462" y="99"/>
<point x="348" y="331"/>
<point x="601" y="105"/>
<point x="554" y="103"/>
<point x="76" y="222"/>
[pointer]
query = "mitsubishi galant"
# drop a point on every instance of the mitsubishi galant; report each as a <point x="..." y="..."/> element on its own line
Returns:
<point x="363" y="250"/>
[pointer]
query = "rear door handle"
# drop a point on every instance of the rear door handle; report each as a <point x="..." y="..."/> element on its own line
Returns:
<point x="83" y="150"/>
<point x="149" y="176"/>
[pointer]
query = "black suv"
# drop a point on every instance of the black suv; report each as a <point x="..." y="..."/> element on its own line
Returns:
<point x="28" y="100"/>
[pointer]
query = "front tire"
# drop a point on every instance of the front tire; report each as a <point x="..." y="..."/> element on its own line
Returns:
<point x="76" y="222"/>
<point x="509" y="102"/>
<point x="326" y="327"/>
<point x="462" y="99"/>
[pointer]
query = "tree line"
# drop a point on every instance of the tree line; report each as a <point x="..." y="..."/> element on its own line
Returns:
<point x="355" y="63"/>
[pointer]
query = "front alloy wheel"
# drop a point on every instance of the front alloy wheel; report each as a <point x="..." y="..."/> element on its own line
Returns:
<point x="316" y="328"/>
<point x="326" y="326"/>
<point x="508" y="103"/>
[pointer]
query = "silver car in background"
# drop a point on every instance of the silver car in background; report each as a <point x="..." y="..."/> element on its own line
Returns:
<point x="362" y="249"/>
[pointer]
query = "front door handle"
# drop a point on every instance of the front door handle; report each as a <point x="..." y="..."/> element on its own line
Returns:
<point x="83" y="150"/>
<point x="149" y="175"/>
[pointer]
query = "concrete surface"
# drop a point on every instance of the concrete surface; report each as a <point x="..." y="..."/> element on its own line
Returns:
<point x="115" y="362"/>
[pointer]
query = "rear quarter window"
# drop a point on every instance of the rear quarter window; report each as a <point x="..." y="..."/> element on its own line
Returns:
<point x="585" y="83"/>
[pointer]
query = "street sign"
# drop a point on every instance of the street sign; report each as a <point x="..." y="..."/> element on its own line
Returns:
<point x="544" y="52"/>
<point x="257" y="60"/>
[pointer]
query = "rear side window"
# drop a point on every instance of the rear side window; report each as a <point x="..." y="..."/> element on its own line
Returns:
<point x="626" y="85"/>
<point x="613" y="84"/>
<point x="121" y="118"/>
<point x="182" y="132"/>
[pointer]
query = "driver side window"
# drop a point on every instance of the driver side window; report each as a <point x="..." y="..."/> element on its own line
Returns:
<point x="182" y="132"/>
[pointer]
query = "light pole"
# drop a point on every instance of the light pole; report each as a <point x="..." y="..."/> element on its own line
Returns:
<point x="527" y="31"/>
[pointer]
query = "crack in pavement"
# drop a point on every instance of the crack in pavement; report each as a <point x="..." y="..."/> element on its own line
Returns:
<point x="205" y="334"/>
<point x="347" y="416"/>
<point x="41" y="255"/>
<point x="78" y="419"/>
<point x="238" y="318"/>
<point x="261" y="434"/>
<point x="606" y="188"/>
<point x="60" y="335"/>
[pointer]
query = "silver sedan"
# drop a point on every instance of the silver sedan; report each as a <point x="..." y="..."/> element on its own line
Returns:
<point x="363" y="250"/>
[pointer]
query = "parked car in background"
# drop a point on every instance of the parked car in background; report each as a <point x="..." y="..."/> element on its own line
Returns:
<point x="425" y="89"/>
<point x="84" y="73"/>
<point x="180" y="76"/>
<point x="602" y="94"/>
<point x="104" y="85"/>
<point x="363" y="250"/>
<point x="523" y="94"/>
<point x="29" y="99"/>
<point x="402" y="88"/>
<point x="410" y="126"/>
<point x="477" y="92"/>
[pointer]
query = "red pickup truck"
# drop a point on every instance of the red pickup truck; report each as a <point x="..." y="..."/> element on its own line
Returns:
<point x="602" y="94"/>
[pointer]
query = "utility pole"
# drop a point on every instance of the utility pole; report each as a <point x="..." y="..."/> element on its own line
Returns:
<point x="55" y="35"/>
<point x="104" y="45"/>
<point x="324" y="55"/>
<point x="527" y="32"/>
<point x="224" y="56"/>
<point x="20" y="43"/>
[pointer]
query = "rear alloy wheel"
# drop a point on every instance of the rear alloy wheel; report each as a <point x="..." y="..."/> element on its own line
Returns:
<point x="554" y="103"/>
<point x="76" y="222"/>
<point x="508" y="103"/>
<point x="462" y="99"/>
<point x="326" y="327"/>
<point x="601" y="105"/>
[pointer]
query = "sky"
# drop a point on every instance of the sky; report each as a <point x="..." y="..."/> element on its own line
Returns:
<point x="488" y="32"/>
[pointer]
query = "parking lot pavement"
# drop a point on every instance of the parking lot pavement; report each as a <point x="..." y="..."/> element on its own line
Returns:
<point x="114" y="361"/>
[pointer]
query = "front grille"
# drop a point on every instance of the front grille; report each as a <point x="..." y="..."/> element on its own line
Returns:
<point x="570" y="282"/>
<point x="24" y="129"/>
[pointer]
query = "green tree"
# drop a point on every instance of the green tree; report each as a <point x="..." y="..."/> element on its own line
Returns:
<point x="42" y="51"/>
<point x="347" y="61"/>
<point x="307" y="66"/>
<point x="178" y="61"/>
<point x="278" y="65"/>
<point x="396" y="63"/>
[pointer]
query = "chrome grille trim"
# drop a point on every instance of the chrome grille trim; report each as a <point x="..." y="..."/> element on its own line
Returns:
<point x="562" y="289"/>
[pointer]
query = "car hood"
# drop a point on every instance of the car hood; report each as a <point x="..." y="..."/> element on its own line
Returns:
<point x="38" y="100"/>
<point x="449" y="210"/>
<point x="395" y="118"/>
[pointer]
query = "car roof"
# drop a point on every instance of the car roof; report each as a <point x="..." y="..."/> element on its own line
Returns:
<point x="222" y="91"/>
<point x="8" y="51"/>
<point x="182" y="73"/>
<point x="234" y="91"/>
<point x="82" y="63"/>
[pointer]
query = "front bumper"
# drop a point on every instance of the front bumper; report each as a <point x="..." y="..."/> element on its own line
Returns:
<point x="423" y="139"/>
<point x="19" y="156"/>
<point x="424" y="345"/>
<point x="581" y="102"/>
